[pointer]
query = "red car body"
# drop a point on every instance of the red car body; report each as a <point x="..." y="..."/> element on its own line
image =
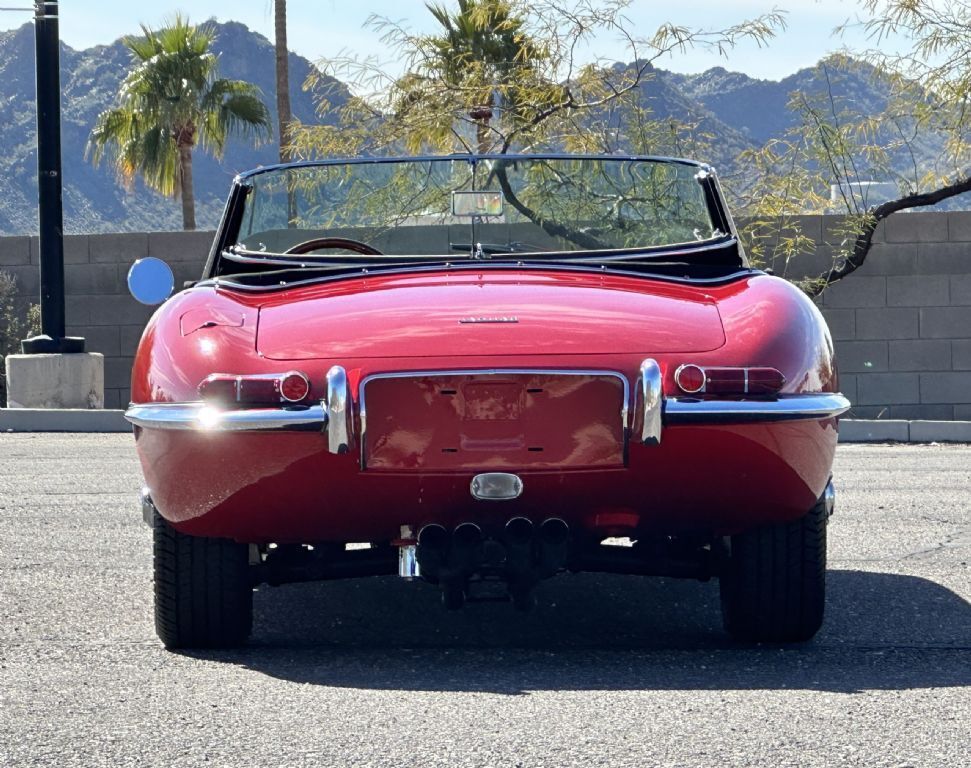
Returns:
<point x="423" y="380"/>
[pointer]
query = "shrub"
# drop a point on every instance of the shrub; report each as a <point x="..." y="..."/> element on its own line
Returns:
<point x="17" y="322"/>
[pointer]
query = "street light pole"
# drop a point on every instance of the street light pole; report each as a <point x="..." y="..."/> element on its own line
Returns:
<point x="50" y="210"/>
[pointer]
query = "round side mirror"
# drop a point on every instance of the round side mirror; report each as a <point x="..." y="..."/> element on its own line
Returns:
<point x="150" y="281"/>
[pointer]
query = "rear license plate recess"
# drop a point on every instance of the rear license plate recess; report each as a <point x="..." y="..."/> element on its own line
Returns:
<point x="473" y="420"/>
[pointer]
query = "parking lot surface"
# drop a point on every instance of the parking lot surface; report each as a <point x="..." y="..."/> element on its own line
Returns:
<point x="608" y="671"/>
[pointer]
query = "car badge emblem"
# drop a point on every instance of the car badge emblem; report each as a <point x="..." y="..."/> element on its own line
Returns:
<point x="471" y="320"/>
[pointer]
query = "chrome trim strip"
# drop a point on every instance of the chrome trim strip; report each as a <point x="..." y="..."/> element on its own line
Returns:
<point x="340" y="410"/>
<point x="228" y="283"/>
<point x="469" y="157"/>
<point x="651" y="402"/>
<point x="624" y="411"/>
<point x="614" y="255"/>
<point x="206" y="418"/>
<point x="819" y="405"/>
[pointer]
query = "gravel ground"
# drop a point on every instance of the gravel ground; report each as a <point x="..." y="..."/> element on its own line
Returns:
<point x="609" y="671"/>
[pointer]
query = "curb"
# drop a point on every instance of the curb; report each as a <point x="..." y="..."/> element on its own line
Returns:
<point x="62" y="420"/>
<point x="892" y="431"/>
<point x="851" y="430"/>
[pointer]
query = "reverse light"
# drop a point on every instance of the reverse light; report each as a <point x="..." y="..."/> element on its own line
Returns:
<point x="256" y="389"/>
<point x="755" y="380"/>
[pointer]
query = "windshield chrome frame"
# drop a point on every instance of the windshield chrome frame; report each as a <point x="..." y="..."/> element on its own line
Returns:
<point x="227" y="235"/>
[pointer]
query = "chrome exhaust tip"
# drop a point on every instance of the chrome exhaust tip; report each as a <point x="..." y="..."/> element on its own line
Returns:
<point x="519" y="529"/>
<point x="554" y="530"/>
<point x="433" y="536"/>
<point x="408" y="567"/>
<point x="554" y="537"/>
<point x="466" y="535"/>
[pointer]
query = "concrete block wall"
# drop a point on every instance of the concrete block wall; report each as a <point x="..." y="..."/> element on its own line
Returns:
<point x="98" y="305"/>
<point x="901" y="323"/>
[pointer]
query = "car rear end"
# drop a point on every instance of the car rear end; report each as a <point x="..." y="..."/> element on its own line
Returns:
<point x="494" y="419"/>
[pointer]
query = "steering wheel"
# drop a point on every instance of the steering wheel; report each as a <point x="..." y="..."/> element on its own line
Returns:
<point x="334" y="242"/>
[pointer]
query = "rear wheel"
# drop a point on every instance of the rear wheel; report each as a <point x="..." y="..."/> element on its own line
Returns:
<point x="203" y="593"/>
<point x="773" y="585"/>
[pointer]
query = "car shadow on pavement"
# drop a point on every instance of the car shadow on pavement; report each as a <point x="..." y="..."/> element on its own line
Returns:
<point x="599" y="631"/>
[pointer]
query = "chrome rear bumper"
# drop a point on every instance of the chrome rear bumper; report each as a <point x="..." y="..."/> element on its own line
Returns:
<point x="821" y="405"/>
<point x="334" y="415"/>
<point x="207" y="418"/>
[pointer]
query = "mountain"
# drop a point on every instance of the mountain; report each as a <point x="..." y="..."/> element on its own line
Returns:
<point x="90" y="79"/>
<point x="758" y="108"/>
<point x="664" y="95"/>
<point x="734" y="111"/>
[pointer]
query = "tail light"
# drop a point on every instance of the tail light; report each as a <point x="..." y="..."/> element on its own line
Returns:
<point x="697" y="380"/>
<point x="257" y="389"/>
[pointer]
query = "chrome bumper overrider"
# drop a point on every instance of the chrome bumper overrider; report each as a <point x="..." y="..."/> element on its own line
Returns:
<point x="334" y="415"/>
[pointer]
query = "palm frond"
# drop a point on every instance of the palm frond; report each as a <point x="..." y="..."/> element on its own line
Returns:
<point x="173" y="97"/>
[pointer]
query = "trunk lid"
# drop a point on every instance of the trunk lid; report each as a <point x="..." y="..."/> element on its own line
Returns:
<point x="508" y="313"/>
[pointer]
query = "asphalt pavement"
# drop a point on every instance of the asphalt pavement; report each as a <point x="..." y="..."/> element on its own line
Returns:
<point x="608" y="671"/>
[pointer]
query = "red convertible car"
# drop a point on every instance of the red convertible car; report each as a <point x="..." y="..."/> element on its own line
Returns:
<point x="480" y="371"/>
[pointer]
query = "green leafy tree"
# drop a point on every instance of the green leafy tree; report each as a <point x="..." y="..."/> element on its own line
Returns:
<point x="504" y="75"/>
<point x="837" y="151"/>
<point x="171" y="102"/>
<point x="17" y="322"/>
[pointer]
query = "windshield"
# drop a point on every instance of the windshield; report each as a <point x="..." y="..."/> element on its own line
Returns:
<point x="522" y="205"/>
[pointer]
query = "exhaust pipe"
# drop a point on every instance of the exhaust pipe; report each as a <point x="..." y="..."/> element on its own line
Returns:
<point x="554" y="536"/>
<point x="433" y="536"/>
<point x="554" y="531"/>
<point x="519" y="529"/>
<point x="465" y="554"/>
<point x="518" y="536"/>
<point x="467" y="536"/>
<point x="432" y="551"/>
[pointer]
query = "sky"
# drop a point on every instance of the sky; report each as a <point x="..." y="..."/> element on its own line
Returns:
<point x="318" y="28"/>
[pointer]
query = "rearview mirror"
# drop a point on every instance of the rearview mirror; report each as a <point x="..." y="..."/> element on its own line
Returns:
<point x="477" y="203"/>
<point x="150" y="281"/>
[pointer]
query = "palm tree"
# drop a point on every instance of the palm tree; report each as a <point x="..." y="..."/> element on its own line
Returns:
<point x="172" y="101"/>
<point x="284" y="115"/>
<point x="482" y="51"/>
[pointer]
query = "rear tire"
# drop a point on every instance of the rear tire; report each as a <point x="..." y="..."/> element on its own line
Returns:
<point x="773" y="585"/>
<point x="203" y="593"/>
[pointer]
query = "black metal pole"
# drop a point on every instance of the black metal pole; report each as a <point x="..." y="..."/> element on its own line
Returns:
<point x="49" y="192"/>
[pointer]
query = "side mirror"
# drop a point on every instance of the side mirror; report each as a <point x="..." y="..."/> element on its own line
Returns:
<point x="150" y="281"/>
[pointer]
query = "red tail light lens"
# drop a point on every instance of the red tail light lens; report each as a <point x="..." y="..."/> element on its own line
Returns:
<point x="259" y="389"/>
<point x="765" y="381"/>
<point x="691" y="378"/>
<point x="695" y="379"/>
<point x="220" y="387"/>
<point x="294" y="387"/>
